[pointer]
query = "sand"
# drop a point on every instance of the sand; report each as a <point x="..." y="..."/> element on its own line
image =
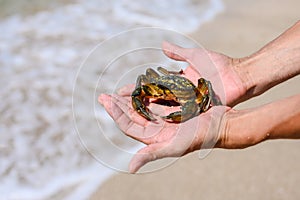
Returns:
<point x="266" y="171"/>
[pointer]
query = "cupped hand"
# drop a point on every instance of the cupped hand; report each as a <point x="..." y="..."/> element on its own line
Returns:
<point x="221" y="70"/>
<point x="163" y="139"/>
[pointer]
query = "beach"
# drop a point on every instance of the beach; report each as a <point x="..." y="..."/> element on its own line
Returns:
<point x="266" y="171"/>
<point x="57" y="142"/>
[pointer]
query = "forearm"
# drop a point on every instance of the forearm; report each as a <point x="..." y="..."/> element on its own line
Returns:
<point x="278" y="120"/>
<point x="274" y="63"/>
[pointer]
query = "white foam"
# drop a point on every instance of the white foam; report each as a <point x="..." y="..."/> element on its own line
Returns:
<point x="39" y="149"/>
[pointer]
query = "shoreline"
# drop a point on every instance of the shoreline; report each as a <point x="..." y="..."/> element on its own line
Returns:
<point x="37" y="31"/>
<point x="248" y="173"/>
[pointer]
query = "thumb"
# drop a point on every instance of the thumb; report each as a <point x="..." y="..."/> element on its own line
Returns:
<point x="149" y="153"/>
<point x="175" y="52"/>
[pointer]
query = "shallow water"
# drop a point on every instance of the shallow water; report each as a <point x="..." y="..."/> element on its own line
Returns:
<point x="41" y="50"/>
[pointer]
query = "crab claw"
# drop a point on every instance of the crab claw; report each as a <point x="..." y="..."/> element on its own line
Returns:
<point x="139" y="106"/>
<point x="174" y="117"/>
<point x="178" y="117"/>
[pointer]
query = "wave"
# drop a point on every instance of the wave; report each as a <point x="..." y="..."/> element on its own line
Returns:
<point x="41" y="155"/>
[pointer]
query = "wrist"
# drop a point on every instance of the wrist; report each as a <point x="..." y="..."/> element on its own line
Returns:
<point x="235" y="132"/>
<point x="277" y="120"/>
<point x="271" y="65"/>
<point x="252" y="75"/>
<point x="245" y="82"/>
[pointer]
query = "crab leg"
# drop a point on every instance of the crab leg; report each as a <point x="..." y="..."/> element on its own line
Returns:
<point x="167" y="72"/>
<point x="181" y="116"/>
<point x="151" y="74"/>
<point x="212" y="95"/>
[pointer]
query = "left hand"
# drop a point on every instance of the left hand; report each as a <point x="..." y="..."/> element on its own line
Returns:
<point x="163" y="139"/>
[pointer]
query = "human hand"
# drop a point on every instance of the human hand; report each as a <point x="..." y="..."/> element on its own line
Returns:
<point x="219" y="127"/>
<point x="163" y="139"/>
<point x="234" y="80"/>
<point x="219" y="69"/>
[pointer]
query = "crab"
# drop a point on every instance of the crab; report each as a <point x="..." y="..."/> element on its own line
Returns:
<point x="170" y="89"/>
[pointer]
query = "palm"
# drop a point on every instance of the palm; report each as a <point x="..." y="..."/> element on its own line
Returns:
<point x="166" y="139"/>
<point x="215" y="67"/>
<point x="163" y="139"/>
<point x="212" y="66"/>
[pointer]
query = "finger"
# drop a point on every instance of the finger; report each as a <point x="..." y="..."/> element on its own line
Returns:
<point x="123" y="117"/>
<point x="106" y="102"/>
<point x="122" y="99"/>
<point x="175" y="52"/>
<point x="102" y="98"/>
<point x="131" y="123"/>
<point x="126" y="90"/>
<point x="112" y="109"/>
<point x="116" y="110"/>
<point x="127" y="109"/>
<point x="192" y="74"/>
<point x="149" y="153"/>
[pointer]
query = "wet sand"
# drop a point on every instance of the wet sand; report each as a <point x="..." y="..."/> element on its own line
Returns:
<point x="266" y="171"/>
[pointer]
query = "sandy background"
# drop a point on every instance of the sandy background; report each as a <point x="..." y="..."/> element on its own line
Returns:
<point x="266" y="171"/>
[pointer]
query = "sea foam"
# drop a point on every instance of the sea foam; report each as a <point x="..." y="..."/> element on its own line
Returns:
<point x="41" y="155"/>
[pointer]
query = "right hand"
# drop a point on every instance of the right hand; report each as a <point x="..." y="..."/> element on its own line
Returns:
<point x="221" y="70"/>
